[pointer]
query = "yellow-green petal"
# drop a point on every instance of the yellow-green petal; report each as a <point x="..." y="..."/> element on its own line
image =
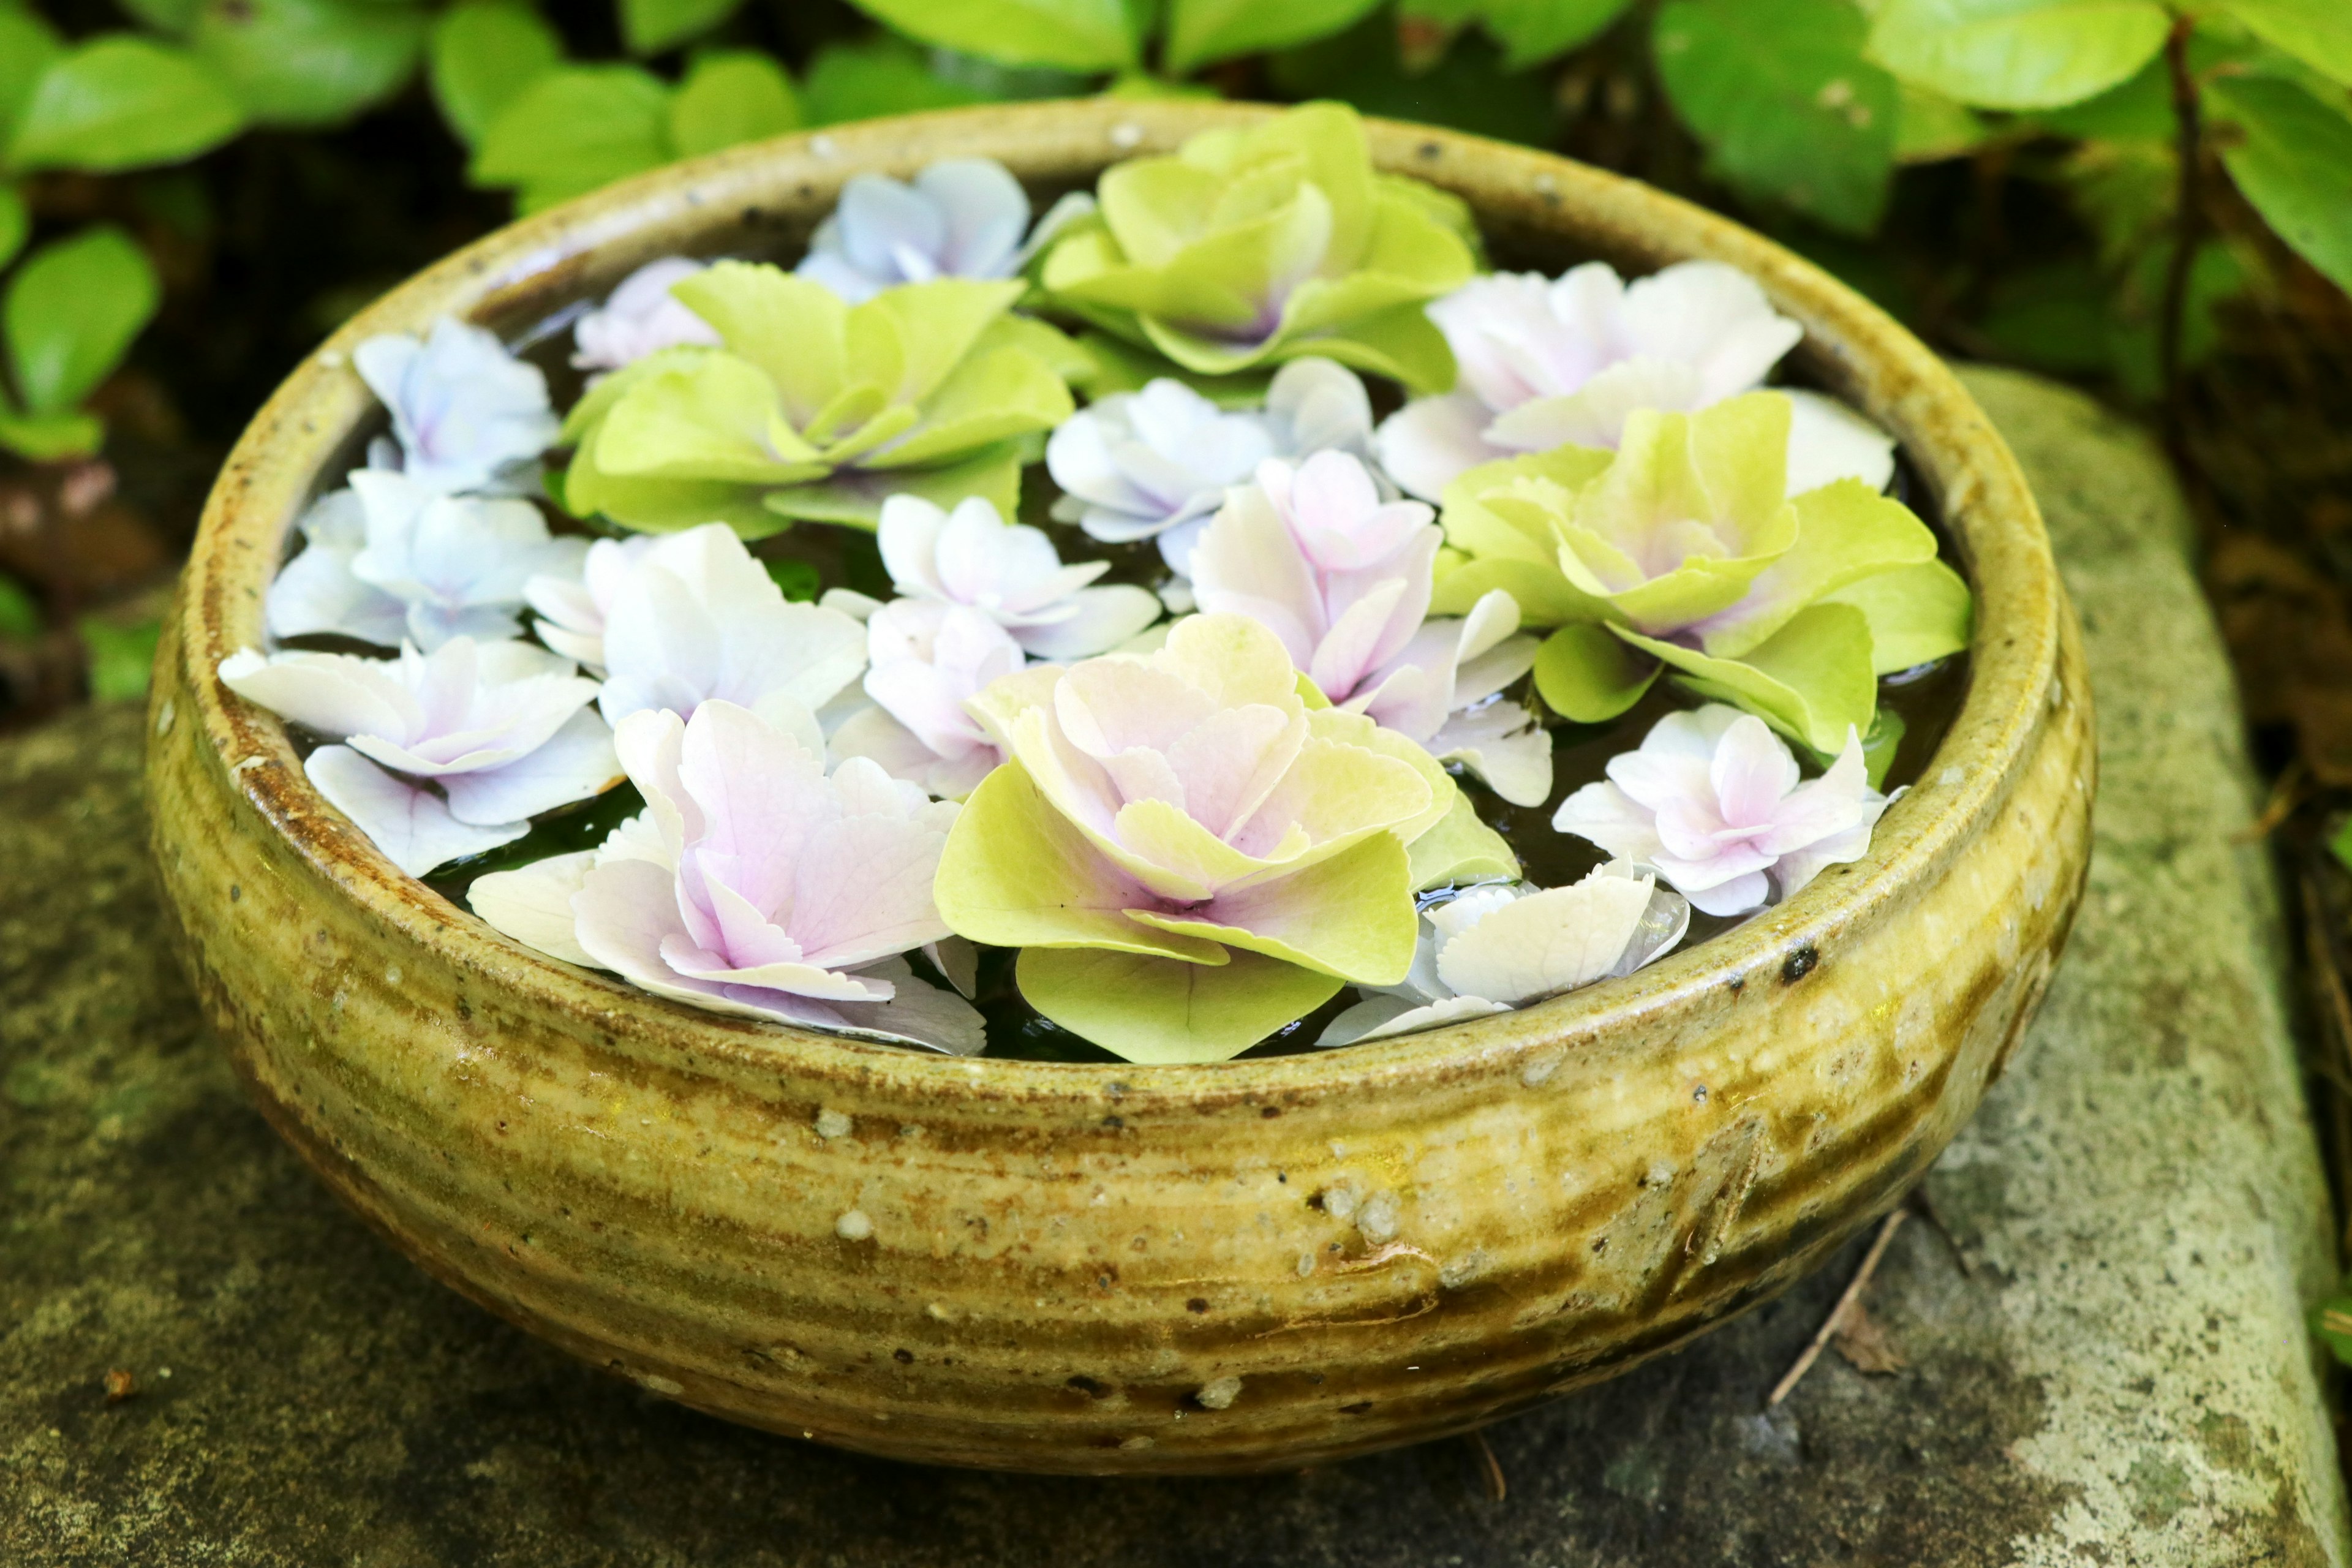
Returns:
<point x="1165" y="1012"/>
<point x="1350" y="916"/>
<point x="1587" y="673"/>
<point x="1461" y="849"/>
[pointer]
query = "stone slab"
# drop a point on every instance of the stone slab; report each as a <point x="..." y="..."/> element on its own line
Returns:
<point x="2106" y="1358"/>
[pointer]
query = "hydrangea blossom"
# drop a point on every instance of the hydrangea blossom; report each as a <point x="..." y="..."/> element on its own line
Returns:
<point x="1344" y="580"/>
<point x="676" y="622"/>
<point x="502" y="728"/>
<point x="1011" y="573"/>
<point x="1502" y="946"/>
<point x="1188" y="855"/>
<point x="399" y="561"/>
<point x="468" y="415"/>
<point x="754" y="885"/>
<point x="1156" y="463"/>
<point x="1545" y="362"/>
<point x="961" y="217"/>
<point x="641" y="317"/>
<point x="927" y="659"/>
<point x="1713" y="800"/>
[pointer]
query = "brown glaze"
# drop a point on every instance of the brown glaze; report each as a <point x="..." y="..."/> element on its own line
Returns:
<point x="1042" y="1266"/>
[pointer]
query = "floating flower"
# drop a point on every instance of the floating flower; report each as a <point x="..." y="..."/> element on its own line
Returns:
<point x="961" y="217"/>
<point x="813" y="408"/>
<point x="1011" y="573"/>
<point x="468" y="415"/>
<point x="755" y="885"/>
<point x="927" y="659"/>
<point x="1712" y="800"/>
<point x="641" y="317"/>
<point x="1156" y="463"/>
<point x="404" y="562"/>
<point x="680" y="621"/>
<point x="1189" y="856"/>
<point x="1344" y="579"/>
<point x="503" y="729"/>
<point x="1250" y="245"/>
<point x="1497" y="947"/>
<point x="1682" y="549"/>
<point x="1549" y="361"/>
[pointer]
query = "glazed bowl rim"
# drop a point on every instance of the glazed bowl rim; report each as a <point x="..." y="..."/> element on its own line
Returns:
<point x="276" y="467"/>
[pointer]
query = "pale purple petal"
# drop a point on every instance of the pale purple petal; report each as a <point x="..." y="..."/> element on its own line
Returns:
<point x="410" y="825"/>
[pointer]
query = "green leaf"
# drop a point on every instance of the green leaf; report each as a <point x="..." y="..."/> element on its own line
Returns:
<point x="1163" y="1010"/>
<point x="2340" y="845"/>
<point x="72" y="310"/>
<point x="2292" y="158"/>
<point x="1586" y="673"/>
<point x="1932" y="128"/>
<point x="1811" y="682"/>
<point x="798" y="579"/>
<point x="726" y="98"/>
<point x="881" y="76"/>
<point x="167" y="15"/>
<point x="1469" y="89"/>
<point x="2331" y="1321"/>
<point x="1787" y="105"/>
<point x="649" y="26"/>
<point x="20" y="617"/>
<point x="308" y="62"/>
<point x="484" y="53"/>
<point x="1878" y="747"/>
<point x="2317" y="32"/>
<point x="1535" y="30"/>
<point x="2017" y="53"/>
<point x="1077" y="34"/>
<point x="48" y="436"/>
<point x="575" y="128"/>
<point x="2136" y="109"/>
<point x="27" y="46"/>
<point x="1201" y="31"/>
<point x="121" y="658"/>
<point x="15" y="221"/>
<point x="120" y="101"/>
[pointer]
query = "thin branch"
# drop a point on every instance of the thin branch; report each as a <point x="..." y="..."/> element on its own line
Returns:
<point x="1853" y="1290"/>
<point x="2187" y="226"/>
<point x="1490" y="1469"/>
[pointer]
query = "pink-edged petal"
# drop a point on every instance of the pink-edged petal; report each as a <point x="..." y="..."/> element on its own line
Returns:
<point x="1608" y="816"/>
<point x="1752" y="771"/>
<point x="1100" y="620"/>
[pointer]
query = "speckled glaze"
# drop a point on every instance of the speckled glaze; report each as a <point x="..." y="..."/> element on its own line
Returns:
<point x="1052" y="1267"/>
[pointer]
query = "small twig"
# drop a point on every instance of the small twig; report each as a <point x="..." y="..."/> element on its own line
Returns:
<point x="1490" y="1470"/>
<point x="1920" y="1201"/>
<point x="2286" y="796"/>
<point x="2188" y="222"/>
<point x="1853" y="1290"/>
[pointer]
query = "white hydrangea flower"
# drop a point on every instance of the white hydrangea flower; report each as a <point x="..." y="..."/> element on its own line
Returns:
<point x="926" y="659"/>
<point x="1011" y="573"/>
<point x="1713" y="800"/>
<point x="1156" y="463"/>
<point x="641" y="317"/>
<point x="401" y="562"/>
<point x="961" y="217"/>
<point x="753" y="884"/>
<point x="1501" y="946"/>
<point x="675" y="621"/>
<point x="503" y="729"/>
<point x="1548" y="361"/>
<point x="468" y="415"/>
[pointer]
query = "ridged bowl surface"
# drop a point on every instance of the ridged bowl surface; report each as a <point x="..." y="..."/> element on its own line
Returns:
<point x="1039" y="1266"/>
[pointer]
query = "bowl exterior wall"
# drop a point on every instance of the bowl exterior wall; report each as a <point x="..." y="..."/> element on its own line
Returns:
<point x="1047" y="1266"/>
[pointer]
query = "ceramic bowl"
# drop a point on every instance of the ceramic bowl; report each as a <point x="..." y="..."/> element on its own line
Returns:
<point x="1067" y="1267"/>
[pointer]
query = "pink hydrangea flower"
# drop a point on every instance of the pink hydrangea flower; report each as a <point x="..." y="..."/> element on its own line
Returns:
<point x="467" y="416"/>
<point x="1011" y="573"/>
<point x="927" y="659"/>
<point x="754" y="884"/>
<point x="1713" y="799"/>
<point x="1343" y="577"/>
<point x="1548" y="361"/>
<point x="502" y="728"/>
<point x="641" y="317"/>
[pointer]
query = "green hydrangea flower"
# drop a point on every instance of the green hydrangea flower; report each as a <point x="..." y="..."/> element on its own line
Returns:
<point x="1253" y="245"/>
<point x="813" y="408"/>
<point x="1682" y="551"/>
<point x="1189" y="852"/>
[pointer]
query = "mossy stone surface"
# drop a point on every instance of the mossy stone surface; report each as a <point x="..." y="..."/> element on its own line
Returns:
<point x="2109" y="1367"/>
